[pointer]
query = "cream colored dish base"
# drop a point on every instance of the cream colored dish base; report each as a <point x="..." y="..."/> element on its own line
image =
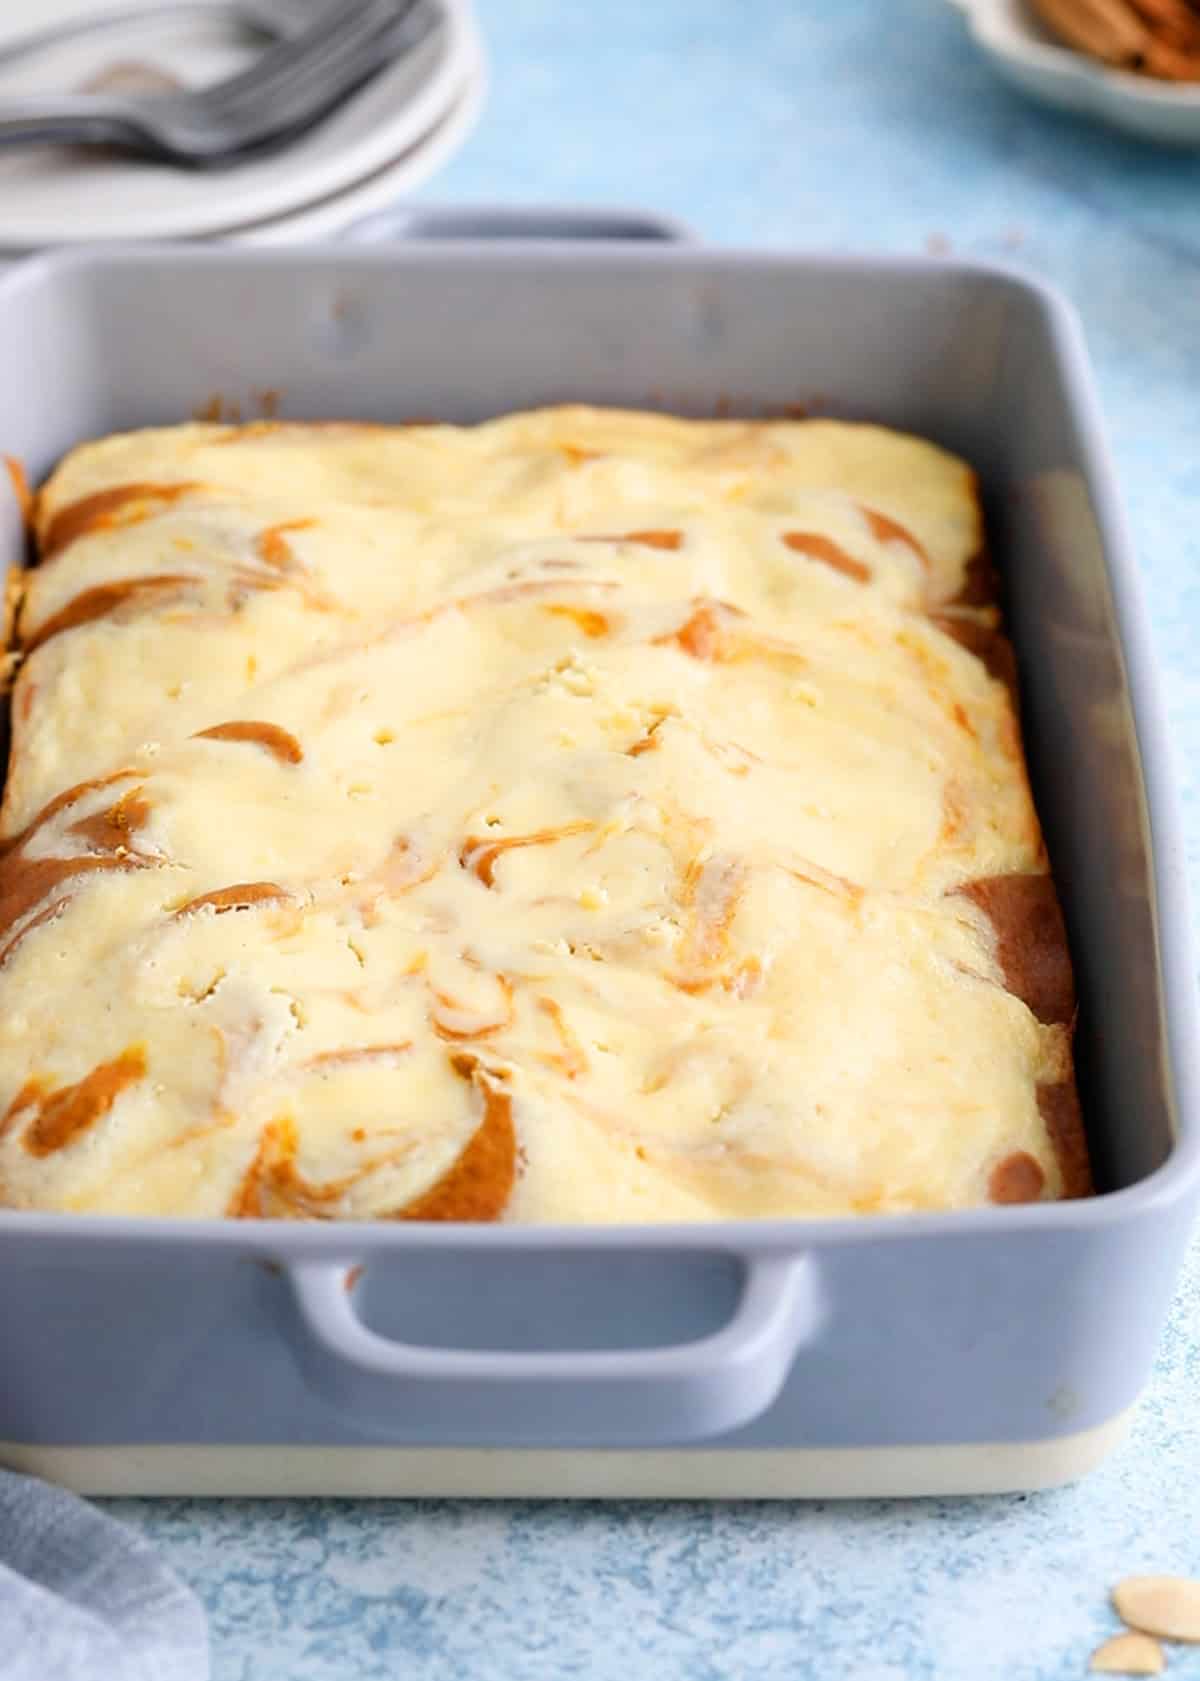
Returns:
<point x="503" y="1473"/>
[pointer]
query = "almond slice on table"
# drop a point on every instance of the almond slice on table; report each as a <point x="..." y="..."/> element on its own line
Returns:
<point x="1168" y="1606"/>
<point x="1129" y="1654"/>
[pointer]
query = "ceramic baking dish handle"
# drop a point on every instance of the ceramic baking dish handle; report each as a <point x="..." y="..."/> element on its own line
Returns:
<point x="612" y="1397"/>
<point x="535" y="222"/>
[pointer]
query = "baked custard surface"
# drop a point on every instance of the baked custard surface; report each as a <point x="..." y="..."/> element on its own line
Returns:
<point x="584" y="816"/>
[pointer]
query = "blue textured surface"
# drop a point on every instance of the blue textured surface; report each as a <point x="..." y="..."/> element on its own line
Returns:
<point x="872" y="125"/>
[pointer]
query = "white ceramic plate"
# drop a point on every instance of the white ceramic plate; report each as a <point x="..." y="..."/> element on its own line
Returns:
<point x="1027" y="56"/>
<point x="379" y="191"/>
<point x="55" y="196"/>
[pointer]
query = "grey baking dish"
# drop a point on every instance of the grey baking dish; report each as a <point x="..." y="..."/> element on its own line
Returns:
<point x="992" y="1350"/>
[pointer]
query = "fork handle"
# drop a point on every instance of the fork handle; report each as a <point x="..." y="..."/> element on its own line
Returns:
<point x="64" y="121"/>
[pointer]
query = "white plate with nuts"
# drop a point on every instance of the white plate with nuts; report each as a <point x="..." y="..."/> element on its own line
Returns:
<point x="1126" y="63"/>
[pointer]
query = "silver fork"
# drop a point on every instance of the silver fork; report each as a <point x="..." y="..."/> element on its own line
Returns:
<point x="282" y="19"/>
<point x="284" y="91"/>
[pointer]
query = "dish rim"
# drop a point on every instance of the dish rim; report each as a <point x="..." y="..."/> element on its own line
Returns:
<point x="1175" y="1180"/>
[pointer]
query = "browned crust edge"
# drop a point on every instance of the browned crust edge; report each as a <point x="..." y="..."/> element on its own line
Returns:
<point x="11" y="661"/>
<point x="1031" y="942"/>
<point x="1024" y="911"/>
<point x="16" y="711"/>
<point x="1060" y="1109"/>
<point x="974" y="616"/>
<point x="1035" y="960"/>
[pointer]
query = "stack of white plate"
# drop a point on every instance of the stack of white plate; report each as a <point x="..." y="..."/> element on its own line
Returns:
<point x="392" y="135"/>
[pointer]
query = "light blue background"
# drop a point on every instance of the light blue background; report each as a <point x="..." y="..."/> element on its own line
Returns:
<point x="850" y="124"/>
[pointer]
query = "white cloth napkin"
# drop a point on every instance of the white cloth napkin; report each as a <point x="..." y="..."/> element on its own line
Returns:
<point x="83" y="1598"/>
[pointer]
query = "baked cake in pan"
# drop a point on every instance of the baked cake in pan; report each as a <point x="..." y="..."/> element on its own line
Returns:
<point x="585" y="816"/>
